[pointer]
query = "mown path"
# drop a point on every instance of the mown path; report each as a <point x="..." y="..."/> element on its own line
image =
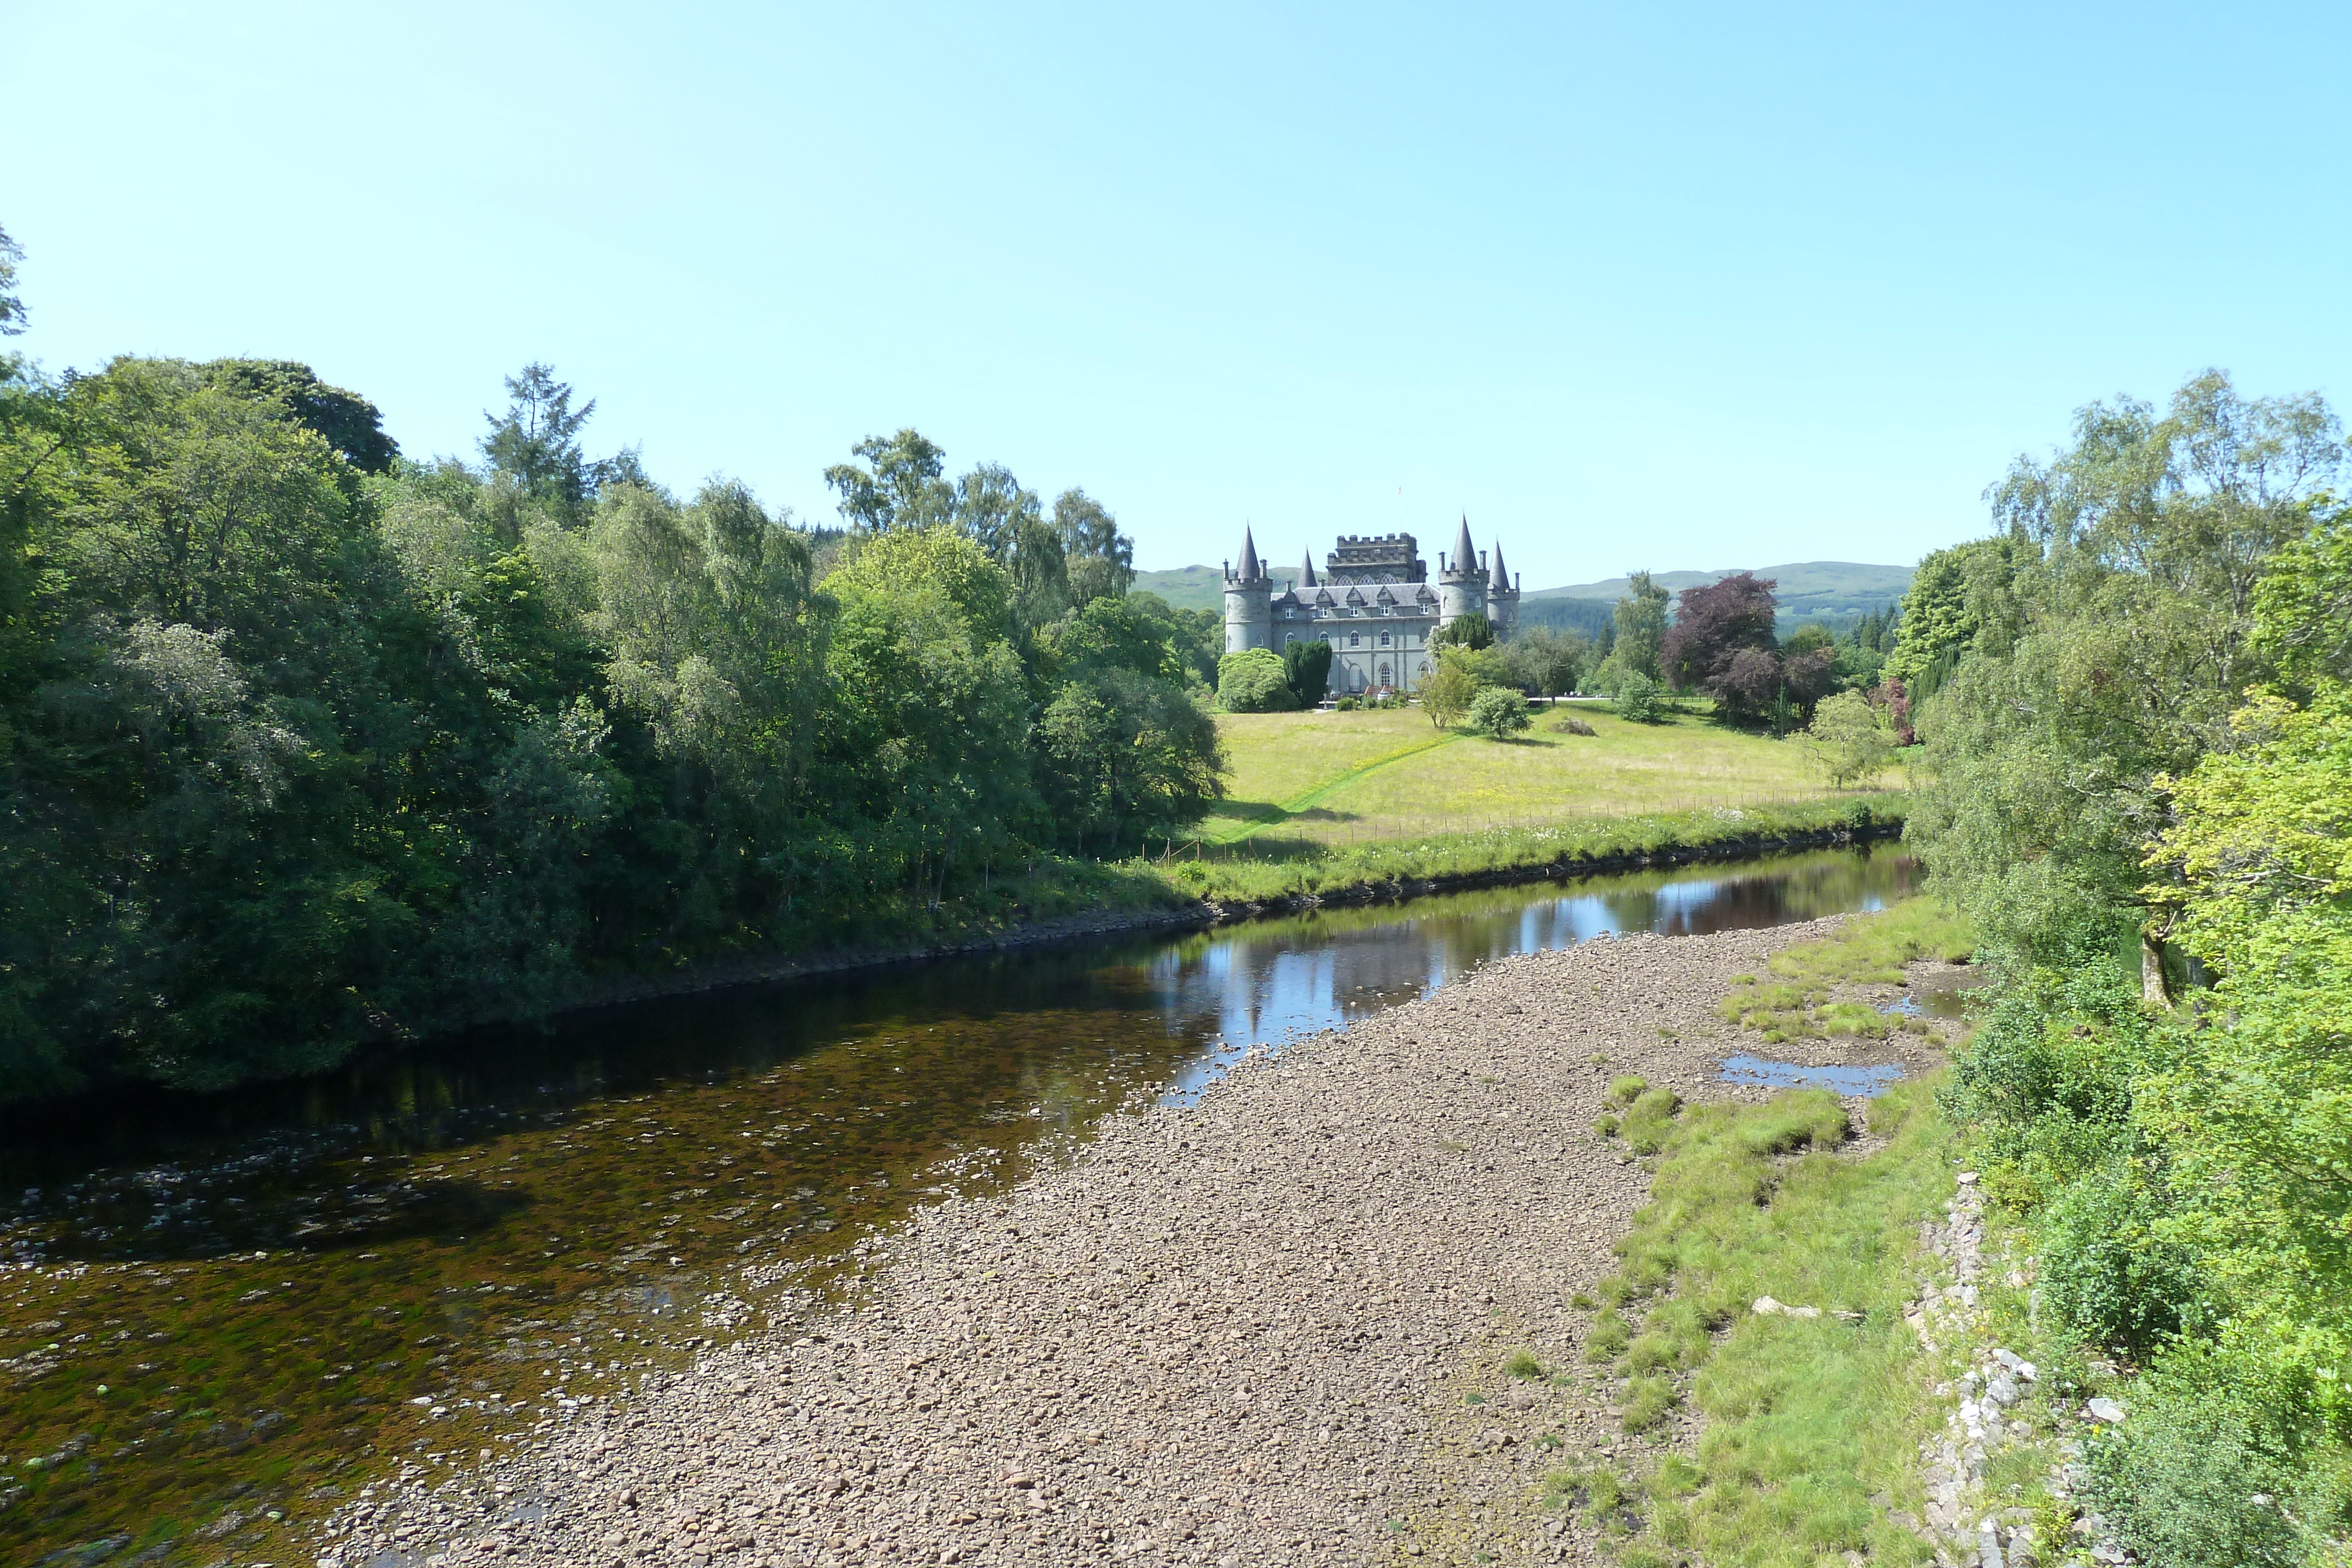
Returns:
<point x="1278" y="812"/>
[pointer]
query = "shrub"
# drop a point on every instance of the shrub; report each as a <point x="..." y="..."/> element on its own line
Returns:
<point x="1522" y="1365"/>
<point x="1637" y="697"/>
<point x="1846" y="740"/>
<point x="2180" y="1476"/>
<point x="1498" y="713"/>
<point x="1625" y="1089"/>
<point x="1347" y="705"/>
<point x="1572" y="724"/>
<point x="1254" y="681"/>
<point x="2107" y="1275"/>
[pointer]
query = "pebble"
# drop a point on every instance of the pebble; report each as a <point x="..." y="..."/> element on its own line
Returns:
<point x="1269" y="1328"/>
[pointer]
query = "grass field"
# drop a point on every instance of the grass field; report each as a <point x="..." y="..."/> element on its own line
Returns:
<point x="1304" y="781"/>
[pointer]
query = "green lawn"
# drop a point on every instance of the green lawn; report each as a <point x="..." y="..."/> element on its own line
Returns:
<point x="1327" y="780"/>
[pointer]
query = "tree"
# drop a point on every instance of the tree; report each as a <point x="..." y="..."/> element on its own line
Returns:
<point x="900" y="487"/>
<point x="1713" y="624"/>
<point x="1470" y="631"/>
<point x="1847" y="741"/>
<point x="1306" y="668"/>
<point x="1938" y="624"/>
<point x="1546" y="662"/>
<point x="1101" y="559"/>
<point x="1131" y="754"/>
<point x="1448" y="691"/>
<point x="349" y="422"/>
<point x="991" y="505"/>
<point x="1638" y="626"/>
<point x="11" y="303"/>
<point x="536" y="443"/>
<point x="1254" y="681"/>
<point x="1636" y="698"/>
<point x="2111" y="646"/>
<point x="1498" y="713"/>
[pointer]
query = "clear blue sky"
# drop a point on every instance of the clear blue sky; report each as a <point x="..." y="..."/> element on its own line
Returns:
<point x="1664" y="286"/>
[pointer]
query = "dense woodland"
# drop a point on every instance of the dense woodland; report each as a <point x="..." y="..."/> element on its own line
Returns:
<point x="2139" y="741"/>
<point x="303" y="742"/>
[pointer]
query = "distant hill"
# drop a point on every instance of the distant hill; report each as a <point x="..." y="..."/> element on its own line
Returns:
<point x="1186" y="587"/>
<point x="1835" y="592"/>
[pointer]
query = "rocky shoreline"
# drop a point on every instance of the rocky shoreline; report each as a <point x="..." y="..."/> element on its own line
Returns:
<point x="1276" y="1326"/>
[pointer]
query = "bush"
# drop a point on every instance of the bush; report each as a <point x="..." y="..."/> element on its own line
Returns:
<point x="1637" y="697"/>
<point x="1572" y="724"/>
<point x="1499" y="713"/>
<point x="1254" y="681"/>
<point x="2179" y="1479"/>
<point x="1346" y="705"/>
<point x="2107" y="1274"/>
<point x="1847" y="742"/>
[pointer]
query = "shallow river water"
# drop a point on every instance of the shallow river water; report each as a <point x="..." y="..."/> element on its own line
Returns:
<point x="217" y="1312"/>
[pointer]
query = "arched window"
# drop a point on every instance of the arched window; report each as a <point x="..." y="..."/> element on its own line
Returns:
<point x="1385" y="639"/>
<point x="1353" y="639"/>
<point x="1385" y="677"/>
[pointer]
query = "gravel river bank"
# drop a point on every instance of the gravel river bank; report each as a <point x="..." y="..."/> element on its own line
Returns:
<point x="1268" y="1326"/>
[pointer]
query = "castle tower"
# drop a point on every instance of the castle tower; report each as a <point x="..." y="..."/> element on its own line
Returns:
<point x="1249" y="593"/>
<point x="1461" y="582"/>
<point x="1502" y="596"/>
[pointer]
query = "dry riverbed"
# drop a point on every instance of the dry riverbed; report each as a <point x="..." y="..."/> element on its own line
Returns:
<point x="1270" y="1328"/>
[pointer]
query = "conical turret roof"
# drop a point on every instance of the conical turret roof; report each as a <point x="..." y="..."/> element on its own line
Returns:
<point x="1306" y="572"/>
<point x="1497" y="579"/>
<point x="1465" y="555"/>
<point x="1252" y="570"/>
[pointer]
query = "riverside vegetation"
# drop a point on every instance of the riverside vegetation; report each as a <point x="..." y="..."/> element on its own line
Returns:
<point x="306" y="743"/>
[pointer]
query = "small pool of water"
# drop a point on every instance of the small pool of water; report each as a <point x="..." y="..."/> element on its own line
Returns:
<point x="1868" y="1082"/>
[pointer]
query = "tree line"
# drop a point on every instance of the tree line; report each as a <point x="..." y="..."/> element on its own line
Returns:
<point x="2136" y="722"/>
<point x="304" y="742"/>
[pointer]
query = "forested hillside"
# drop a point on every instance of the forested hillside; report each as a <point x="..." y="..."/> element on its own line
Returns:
<point x="304" y="743"/>
<point x="2141" y="751"/>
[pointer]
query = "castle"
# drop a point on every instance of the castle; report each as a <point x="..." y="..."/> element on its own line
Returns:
<point x="1373" y="604"/>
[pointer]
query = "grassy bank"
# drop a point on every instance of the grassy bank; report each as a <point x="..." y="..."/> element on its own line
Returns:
<point x="1335" y="873"/>
<point x="1812" y="1423"/>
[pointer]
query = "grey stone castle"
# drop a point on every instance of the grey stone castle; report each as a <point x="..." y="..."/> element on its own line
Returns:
<point x="1373" y="603"/>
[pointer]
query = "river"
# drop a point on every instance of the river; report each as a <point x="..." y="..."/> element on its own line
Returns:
<point x="216" y="1312"/>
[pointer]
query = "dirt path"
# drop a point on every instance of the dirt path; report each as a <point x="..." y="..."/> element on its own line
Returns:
<point x="1268" y="1329"/>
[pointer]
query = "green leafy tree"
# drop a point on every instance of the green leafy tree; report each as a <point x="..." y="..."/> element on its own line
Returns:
<point x="1639" y="626"/>
<point x="899" y="488"/>
<point x="346" y="421"/>
<point x="1499" y="713"/>
<point x="1545" y="661"/>
<point x="2111" y="650"/>
<point x="1449" y="690"/>
<point x="1101" y="559"/>
<point x="1131" y="754"/>
<point x="1849" y="742"/>
<point x="1254" y="681"/>
<point x="1637" y="697"/>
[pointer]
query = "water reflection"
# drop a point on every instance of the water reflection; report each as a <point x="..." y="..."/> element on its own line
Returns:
<point x="216" y="1306"/>
<point x="1267" y="984"/>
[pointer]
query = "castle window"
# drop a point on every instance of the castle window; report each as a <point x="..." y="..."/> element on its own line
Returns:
<point x="1385" y="639"/>
<point x="1353" y="639"/>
